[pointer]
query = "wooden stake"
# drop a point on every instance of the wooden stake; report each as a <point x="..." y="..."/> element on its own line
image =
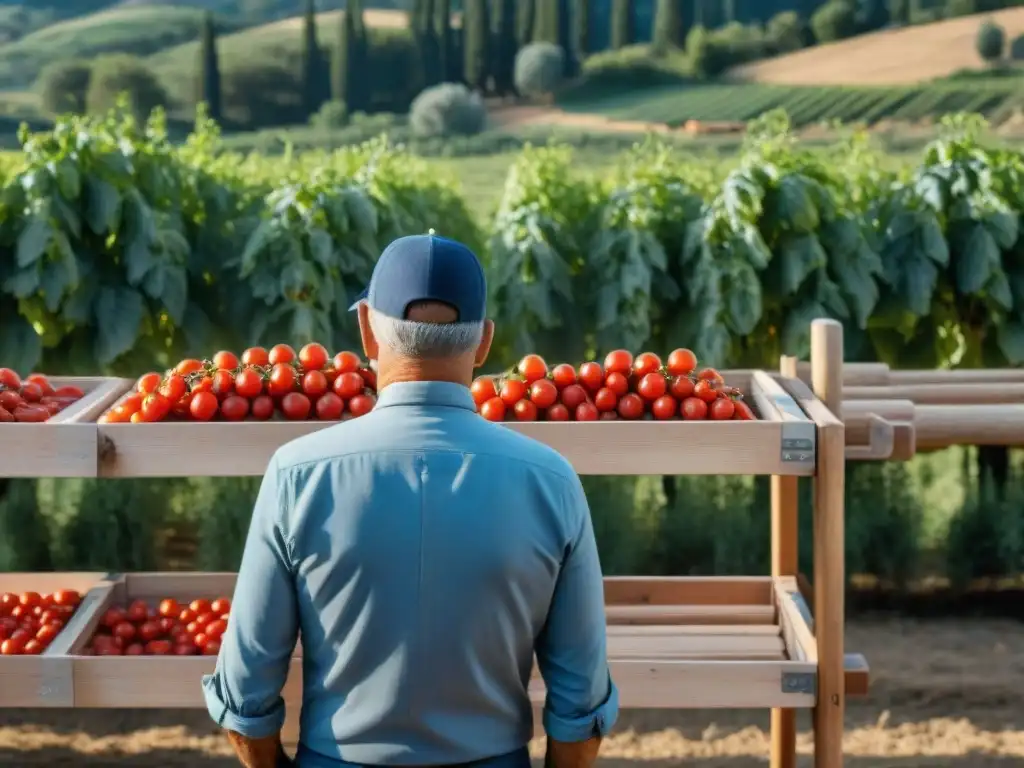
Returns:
<point x="829" y="568"/>
<point x="785" y="542"/>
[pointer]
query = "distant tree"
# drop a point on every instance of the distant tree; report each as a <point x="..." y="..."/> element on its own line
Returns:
<point x="899" y="11"/>
<point x="63" y="85"/>
<point x="545" y="22"/>
<point x="209" y="68"/>
<point x="525" y="19"/>
<point x="668" y="25"/>
<point x="786" y="32"/>
<point x="314" y="92"/>
<point x="476" y="24"/>
<point x="990" y="41"/>
<point x="622" y="23"/>
<point x="836" y="20"/>
<point x="427" y="42"/>
<point x="965" y="7"/>
<point x="504" y="45"/>
<point x="873" y="14"/>
<point x="445" y="40"/>
<point x="581" y="28"/>
<point x="564" y="37"/>
<point x="348" y="81"/>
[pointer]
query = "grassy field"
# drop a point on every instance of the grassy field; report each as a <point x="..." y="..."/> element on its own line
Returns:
<point x="139" y="30"/>
<point x="675" y="105"/>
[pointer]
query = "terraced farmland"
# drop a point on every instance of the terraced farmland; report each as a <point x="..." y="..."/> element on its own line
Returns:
<point x="675" y="105"/>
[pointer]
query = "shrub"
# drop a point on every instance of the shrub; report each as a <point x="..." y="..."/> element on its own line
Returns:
<point x="985" y="535"/>
<point x="1017" y="48"/>
<point x="990" y="41"/>
<point x="635" y="66"/>
<point x="899" y="11"/>
<point x="708" y="56"/>
<point x="836" y="20"/>
<point x="121" y="73"/>
<point x="257" y="95"/>
<point x="786" y="32"/>
<point x="332" y="114"/>
<point x="540" y="69"/>
<point x="63" y="86"/>
<point x="963" y="7"/>
<point x="741" y="43"/>
<point x="448" y="109"/>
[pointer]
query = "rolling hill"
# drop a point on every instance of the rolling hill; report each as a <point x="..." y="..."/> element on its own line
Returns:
<point x="139" y="30"/>
<point x="891" y="57"/>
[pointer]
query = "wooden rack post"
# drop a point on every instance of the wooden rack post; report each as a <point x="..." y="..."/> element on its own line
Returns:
<point x="829" y="567"/>
<point x="785" y="547"/>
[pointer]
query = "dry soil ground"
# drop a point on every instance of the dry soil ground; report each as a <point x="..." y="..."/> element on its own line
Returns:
<point x="891" y="57"/>
<point x="944" y="694"/>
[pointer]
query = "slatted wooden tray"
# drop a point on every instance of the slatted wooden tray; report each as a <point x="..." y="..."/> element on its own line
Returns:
<point x="781" y="442"/>
<point x="64" y="446"/>
<point x="47" y="680"/>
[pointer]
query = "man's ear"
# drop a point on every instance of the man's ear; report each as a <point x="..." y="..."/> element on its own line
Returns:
<point x="370" y="346"/>
<point x="484" y="347"/>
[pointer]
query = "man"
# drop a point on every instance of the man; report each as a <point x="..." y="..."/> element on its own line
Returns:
<point x="425" y="555"/>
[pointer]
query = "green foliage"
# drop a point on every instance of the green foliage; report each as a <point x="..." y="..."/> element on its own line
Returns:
<point x="223" y="507"/>
<point x="120" y="75"/>
<point x="990" y="41"/>
<point x="24" y="539"/>
<point x="899" y="11"/>
<point x="63" y="86"/>
<point x="503" y="62"/>
<point x="349" y="81"/>
<point x="986" y="537"/>
<point x="1017" y="49"/>
<point x="582" y="21"/>
<point x="526" y="18"/>
<point x="315" y="82"/>
<point x="540" y="69"/>
<point x="448" y="109"/>
<point x="786" y="32"/>
<point x="836" y="20"/>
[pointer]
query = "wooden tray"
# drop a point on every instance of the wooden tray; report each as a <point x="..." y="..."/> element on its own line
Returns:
<point x="781" y="443"/>
<point x="64" y="446"/>
<point x="47" y="680"/>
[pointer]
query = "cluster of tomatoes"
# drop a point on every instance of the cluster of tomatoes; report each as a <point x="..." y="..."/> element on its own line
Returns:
<point x="307" y="385"/>
<point x="30" y="621"/>
<point x="623" y="388"/>
<point x="173" y="628"/>
<point x="34" y="399"/>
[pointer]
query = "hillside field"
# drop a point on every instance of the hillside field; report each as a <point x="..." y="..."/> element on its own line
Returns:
<point x="138" y="30"/>
<point x="674" y="105"/>
<point x="890" y="57"/>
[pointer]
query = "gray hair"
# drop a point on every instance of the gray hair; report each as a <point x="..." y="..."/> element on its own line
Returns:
<point x="425" y="341"/>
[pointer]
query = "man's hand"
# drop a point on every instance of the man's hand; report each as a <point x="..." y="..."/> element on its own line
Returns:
<point x="580" y="754"/>
<point x="260" y="753"/>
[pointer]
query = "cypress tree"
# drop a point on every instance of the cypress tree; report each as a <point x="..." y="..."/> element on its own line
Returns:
<point x="504" y="45"/>
<point x="428" y="45"/>
<point x="729" y="10"/>
<point x="668" y="25"/>
<point x="564" y="35"/>
<point x="348" y="83"/>
<point x="525" y="17"/>
<point x="312" y="62"/>
<point x="445" y="40"/>
<point x="622" y="23"/>
<point x="475" y="25"/>
<point x="581" y="28"/>
<point x="209" y="83"/>
<point x="545" y="23"/>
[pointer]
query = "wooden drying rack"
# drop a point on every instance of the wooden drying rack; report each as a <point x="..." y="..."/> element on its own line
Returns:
<point x="728" y="642"/>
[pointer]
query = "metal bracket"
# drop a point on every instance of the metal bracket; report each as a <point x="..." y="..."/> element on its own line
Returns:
<point x="800" y="682"/>
<point x="798" y="440"/>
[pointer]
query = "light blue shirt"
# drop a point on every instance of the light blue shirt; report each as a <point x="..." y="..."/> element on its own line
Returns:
<point x="425" y="554"/>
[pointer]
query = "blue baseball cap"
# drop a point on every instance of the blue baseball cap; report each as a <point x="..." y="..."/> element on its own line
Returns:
<point x="427" y="268"/>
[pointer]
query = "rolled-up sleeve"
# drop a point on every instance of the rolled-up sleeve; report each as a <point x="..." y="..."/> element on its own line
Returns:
<point x="582" y="701"/>
<point x="244" y="692"/>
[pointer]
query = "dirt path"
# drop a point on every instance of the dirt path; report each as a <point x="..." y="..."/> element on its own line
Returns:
<point x="944" y="694"/>
<point x="508" y="117"/>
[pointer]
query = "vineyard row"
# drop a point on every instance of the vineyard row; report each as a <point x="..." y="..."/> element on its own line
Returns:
<point x="120" y="251"/>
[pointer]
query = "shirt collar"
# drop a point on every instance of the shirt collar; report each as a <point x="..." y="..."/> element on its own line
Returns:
<point x="443" y="393"/>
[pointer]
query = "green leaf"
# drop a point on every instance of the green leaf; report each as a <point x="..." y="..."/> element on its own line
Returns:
<point x="139" y="260"/>
<point x="976" y="260"/>
<point x="34" y="239"/>
<point x="799" y="258"/>
<point x="794" y="208"/>
<point x="254" y="247"/>
<point x="102" y="205"/>
<point x="919" y="278"/>
<point x="118" y="312"/>
<point x="743" y="299"/>
<point x="53" y="283"/>
<point x="1010" y="336"/>
<point x="175" y="293"/>
<point x="69" y="181"/>
<point x="23" y="283"/>
<point x="21" y="348"/>
<point x="1004" y="227"/>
